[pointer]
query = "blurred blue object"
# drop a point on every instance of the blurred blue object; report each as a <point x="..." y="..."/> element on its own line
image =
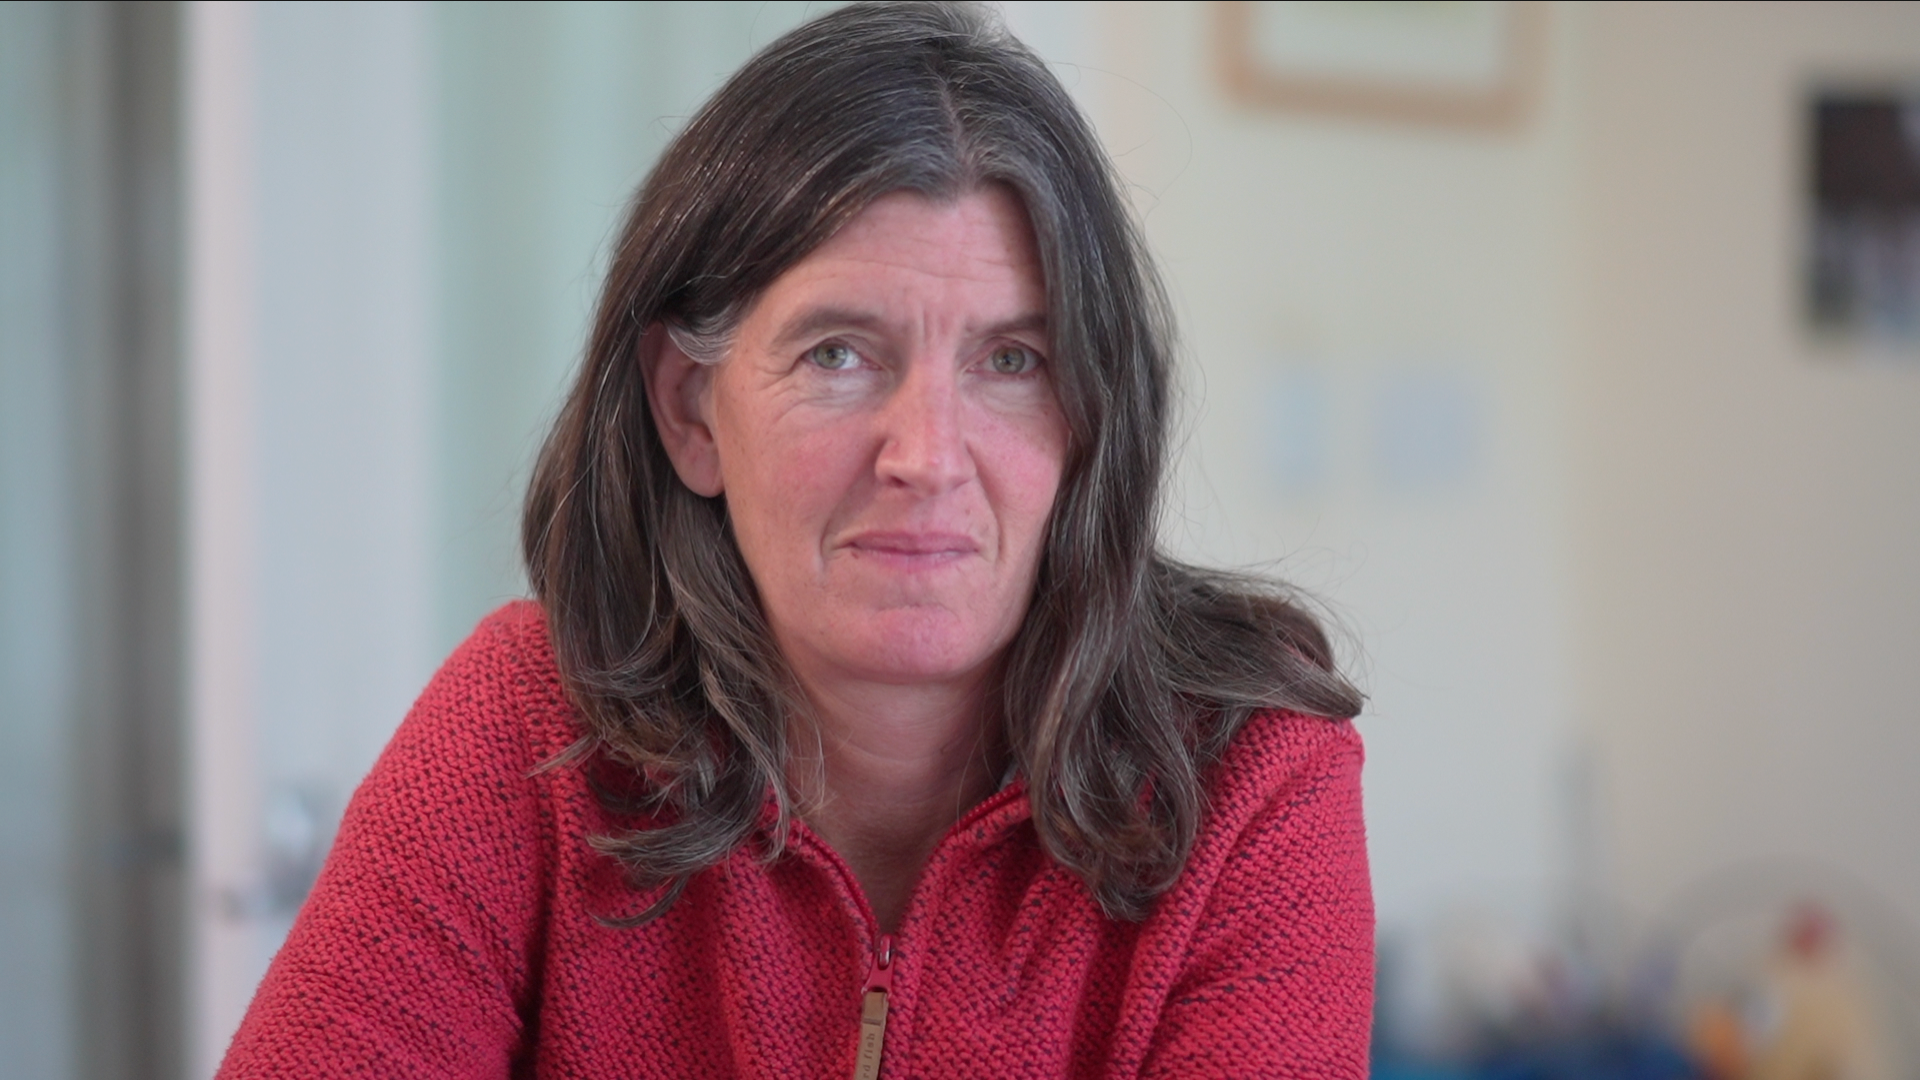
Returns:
<point x="1411" y="1070"/>
<point x="1605" y="1057"/>
<point x="1587" y="1057"/>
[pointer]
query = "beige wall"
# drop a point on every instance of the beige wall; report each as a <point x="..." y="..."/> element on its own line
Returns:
<point x="1343" y="285"/>
<point x="1746" y="505"/>
<point x="1683" y="557"/>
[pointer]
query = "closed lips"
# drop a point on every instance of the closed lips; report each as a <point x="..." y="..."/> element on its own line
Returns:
<point x="912" y="545"/>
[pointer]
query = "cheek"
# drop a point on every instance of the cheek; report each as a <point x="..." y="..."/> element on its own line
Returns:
<point x="785" y="483"/>
<point x="1028" y="460"/>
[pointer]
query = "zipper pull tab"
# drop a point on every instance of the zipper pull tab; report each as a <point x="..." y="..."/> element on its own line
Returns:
<point x="873" y="1010"/>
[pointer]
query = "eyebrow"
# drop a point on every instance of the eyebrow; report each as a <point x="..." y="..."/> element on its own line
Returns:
<point x="816" y="320"/>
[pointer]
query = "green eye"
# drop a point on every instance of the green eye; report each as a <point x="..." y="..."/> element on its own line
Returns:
<point x="1012" y="360"/>
<point x="833" y="356"/>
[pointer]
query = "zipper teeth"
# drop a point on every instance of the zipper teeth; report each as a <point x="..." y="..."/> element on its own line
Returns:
<point x="877" y="989"/>
<point x="880" y="970"/>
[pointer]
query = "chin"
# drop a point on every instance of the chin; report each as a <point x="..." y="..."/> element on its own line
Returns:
<point x="921" y="648"/>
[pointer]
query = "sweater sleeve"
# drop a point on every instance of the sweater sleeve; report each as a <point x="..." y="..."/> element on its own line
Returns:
<point x="412" y="956"/>
<point x="1279" y="978"/>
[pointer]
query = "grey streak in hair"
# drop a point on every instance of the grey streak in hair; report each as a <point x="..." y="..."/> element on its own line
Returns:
<point x="711" y="344"/>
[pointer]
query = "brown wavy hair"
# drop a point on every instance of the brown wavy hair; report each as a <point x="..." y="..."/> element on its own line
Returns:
<point x="1131" y="672"/>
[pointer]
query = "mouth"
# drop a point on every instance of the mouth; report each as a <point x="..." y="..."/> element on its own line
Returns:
<point x="911" y="550"/>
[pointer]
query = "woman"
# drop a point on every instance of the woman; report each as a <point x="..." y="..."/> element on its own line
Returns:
<point x="860" y="726"/>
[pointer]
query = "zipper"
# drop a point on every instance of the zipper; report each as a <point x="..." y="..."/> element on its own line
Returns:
<point x="874" y="993"/>
<point x="873" y="1010"/>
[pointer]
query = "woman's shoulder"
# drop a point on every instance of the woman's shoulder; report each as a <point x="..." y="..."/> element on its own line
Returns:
<point x="512" y="640"/>
<point x="479" y="733"/>
<point x="502" y="683"/>
<point x="439" y="881"/>
<point x="1272" y="920"/>
<point x="1282" y="755"/>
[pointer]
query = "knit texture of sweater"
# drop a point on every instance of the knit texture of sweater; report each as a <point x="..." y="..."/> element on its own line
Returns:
<point x="458" y="927"/>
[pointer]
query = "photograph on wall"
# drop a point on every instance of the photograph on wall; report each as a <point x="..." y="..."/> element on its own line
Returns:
<point x="1862" y="272"/>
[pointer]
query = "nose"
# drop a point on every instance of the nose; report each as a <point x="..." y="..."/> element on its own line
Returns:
<point x="924" y="444"/>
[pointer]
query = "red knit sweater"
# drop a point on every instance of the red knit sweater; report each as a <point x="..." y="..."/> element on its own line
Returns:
<point x="453" y="932"/>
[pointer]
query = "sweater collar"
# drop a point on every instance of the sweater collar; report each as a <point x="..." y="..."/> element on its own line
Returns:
<point x="987" y="823"/>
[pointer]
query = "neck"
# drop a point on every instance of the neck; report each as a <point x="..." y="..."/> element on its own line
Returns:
<point x="894" y="768"/>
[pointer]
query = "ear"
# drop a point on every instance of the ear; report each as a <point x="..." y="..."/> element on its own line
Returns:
<point x="680" y="396"/>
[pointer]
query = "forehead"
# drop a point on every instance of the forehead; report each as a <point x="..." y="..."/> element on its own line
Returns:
<point x="975" y="251"/>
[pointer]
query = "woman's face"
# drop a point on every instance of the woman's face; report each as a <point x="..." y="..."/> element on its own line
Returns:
<point x="887" y="437"/>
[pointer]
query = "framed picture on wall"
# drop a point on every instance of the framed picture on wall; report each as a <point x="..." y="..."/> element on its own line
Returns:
<point x="1861" y="269"/>
<point x="1468" y="63"/>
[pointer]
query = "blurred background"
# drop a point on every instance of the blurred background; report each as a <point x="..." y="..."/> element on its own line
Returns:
<point x="1570" y="352"/>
